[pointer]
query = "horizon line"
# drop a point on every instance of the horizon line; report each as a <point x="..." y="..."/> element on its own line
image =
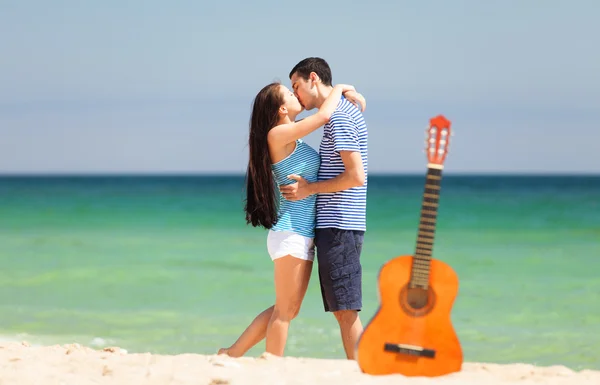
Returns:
<point x="238" y="174"/>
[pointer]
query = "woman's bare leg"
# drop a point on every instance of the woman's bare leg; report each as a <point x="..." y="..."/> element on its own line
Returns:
<point x="291" y="281"/>
<point x="253" y="334"/>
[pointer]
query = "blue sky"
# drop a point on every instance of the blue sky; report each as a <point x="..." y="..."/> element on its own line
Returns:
<point x="166" y="87"/>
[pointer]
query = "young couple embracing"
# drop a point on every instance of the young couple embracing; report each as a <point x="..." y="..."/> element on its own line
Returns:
<point x="308" y="200"/>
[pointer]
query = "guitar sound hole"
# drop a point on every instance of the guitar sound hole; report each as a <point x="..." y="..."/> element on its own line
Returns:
<point x="417" y="298"/>
<point x="416" y="301"/>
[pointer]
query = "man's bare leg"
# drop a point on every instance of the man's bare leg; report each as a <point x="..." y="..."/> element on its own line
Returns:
<point x="350" y="329"/>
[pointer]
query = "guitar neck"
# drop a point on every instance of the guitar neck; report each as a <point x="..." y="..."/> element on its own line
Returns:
<point x="427" y="223"/>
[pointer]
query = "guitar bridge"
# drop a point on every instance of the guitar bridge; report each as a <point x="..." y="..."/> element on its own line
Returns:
<point x="410" y="350"/>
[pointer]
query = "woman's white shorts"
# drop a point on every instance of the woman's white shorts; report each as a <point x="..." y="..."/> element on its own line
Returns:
<point x="282" y="243"/>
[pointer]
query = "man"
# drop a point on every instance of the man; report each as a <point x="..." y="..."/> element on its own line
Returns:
<point x="341" y="198"/>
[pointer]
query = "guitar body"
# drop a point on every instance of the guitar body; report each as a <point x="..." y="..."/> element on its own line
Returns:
<point x="398" y="322"/>
<point x="411" y="333"/>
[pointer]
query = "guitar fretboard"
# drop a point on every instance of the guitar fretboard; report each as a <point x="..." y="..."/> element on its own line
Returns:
<point x="425" y="235"/>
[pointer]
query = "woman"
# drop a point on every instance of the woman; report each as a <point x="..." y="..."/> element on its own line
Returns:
<point x="276" y="150"/>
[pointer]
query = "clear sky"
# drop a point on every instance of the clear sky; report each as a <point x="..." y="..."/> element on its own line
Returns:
<point x="118" y="86"/>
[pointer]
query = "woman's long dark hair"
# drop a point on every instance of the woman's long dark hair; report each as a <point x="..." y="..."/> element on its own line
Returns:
<point x="261" y="203"/>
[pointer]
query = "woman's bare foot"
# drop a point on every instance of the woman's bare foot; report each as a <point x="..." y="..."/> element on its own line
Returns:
<point x="231" y="352"/>
<point x="223" y="351"/>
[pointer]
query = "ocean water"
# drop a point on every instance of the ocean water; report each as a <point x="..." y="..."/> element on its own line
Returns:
<point x="168" y="265"/>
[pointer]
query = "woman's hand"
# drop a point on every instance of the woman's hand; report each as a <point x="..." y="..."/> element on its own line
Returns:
<point x="344" y="87"/>
<point x="356" y="98"/>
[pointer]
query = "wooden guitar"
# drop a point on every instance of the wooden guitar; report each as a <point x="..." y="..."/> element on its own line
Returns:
<point x="411" y="333"/>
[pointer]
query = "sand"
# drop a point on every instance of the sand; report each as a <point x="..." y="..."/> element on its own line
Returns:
<point x="21" y="364"/>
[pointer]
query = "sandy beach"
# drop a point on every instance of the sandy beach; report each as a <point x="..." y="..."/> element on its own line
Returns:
<point x="75" y="364"/>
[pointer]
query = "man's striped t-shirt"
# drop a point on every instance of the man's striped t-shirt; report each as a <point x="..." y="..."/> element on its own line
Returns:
<point x="346" y="131"/>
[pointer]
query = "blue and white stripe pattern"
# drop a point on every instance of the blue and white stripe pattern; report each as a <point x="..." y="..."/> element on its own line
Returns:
<point x="297" y="216"/>
<point x="346" y="131"/>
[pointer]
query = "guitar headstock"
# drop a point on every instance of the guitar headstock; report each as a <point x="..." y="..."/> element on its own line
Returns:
<point x="437" y="140"/>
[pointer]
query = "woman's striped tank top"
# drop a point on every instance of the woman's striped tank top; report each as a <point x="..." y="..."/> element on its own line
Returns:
<point x="297" y="216"/>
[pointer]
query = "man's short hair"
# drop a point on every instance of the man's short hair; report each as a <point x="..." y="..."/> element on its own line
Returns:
<point x="316" y="65"/>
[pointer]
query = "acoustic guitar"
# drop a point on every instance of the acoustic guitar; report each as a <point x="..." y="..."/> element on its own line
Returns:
<point x="411" y="333"/>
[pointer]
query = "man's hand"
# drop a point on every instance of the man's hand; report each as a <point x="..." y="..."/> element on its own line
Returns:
<point x="295" y="191"/>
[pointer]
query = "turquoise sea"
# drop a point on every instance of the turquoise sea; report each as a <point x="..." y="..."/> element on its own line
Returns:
<point x="168" y="265"/>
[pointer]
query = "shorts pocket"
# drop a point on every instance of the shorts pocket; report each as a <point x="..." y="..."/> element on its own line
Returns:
<point x="358" y="243"/>
<point x="346" y="283"/>
<point x="345" y="271"/>
<point x="336" y="235"/>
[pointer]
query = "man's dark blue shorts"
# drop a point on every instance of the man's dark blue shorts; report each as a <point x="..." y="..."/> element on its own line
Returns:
<point x="340" y="271"/>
